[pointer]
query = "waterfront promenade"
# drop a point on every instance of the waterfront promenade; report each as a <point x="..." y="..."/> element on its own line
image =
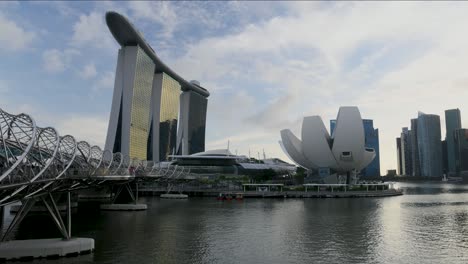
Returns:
<point x="305" y="191"/>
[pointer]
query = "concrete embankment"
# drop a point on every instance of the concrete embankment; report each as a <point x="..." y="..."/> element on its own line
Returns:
<point x="284" y="194"/>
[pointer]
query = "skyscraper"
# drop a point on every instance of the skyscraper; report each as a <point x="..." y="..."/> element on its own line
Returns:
<point x="145" y="104"/>
<point x="165" y="111"/>
<point x="452" y="123"/>
<point x="444" y="157"/>
<point x="371" y="137"/>
<point x="406" y="152"/>
<point x="129" y="121"/>
<point x="461" y="152"/>
<point x="399" y="156"/>
<point x="430" y="146"/>
<point x="371" y="141"/>
<point x="414" y="147"/>
<point x="191" y="135"/>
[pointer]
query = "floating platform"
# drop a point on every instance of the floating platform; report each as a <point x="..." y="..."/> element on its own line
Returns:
<point x="45" y="248"/>
<point x="174" y="196"/>
<point x="123" y="207"/>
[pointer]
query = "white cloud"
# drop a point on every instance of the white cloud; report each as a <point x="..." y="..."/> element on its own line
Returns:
<point x="106" y="81"/>
<point x="89" y="71"/>
<point x="12" y="36"/>
<point x="160" y="12"/>
<point x="92" y="129"/>
<point x="390" y="59"/>
<point x="91" y="30"/>
<point x="55" y="61"/>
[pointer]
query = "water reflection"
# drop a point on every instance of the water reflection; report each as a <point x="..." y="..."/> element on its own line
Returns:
<point x="427" y="225"/>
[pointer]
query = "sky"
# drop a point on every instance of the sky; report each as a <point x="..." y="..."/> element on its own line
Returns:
<point x="266" y="64"/>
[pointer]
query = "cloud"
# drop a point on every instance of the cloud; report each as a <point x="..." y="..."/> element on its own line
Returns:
<point x="315" y="58"/>
<point x="90" y="31"/>
<point x="92" y="129"/>
<point x="106" y="81"/>
<point x="13" y="37"/>
<point x="55" y="61"/>
<point x="89" y="71"/>
<point x="161" y="12"/>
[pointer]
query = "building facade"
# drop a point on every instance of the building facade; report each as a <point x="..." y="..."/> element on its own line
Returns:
<point x="191" y="136"/>
<point x="452" y="123"/>
<point x="129" y="121"/>
<point x="416" y="171"/>
<point x="461" y="151"/>
<point x="145" y="105"/>
<point x="399" y="157"/>
<point x="429" y="145"/>
<point x="406" y="152"/>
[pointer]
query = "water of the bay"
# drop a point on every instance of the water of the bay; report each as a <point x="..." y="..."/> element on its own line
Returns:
<point x="429" y="224"/>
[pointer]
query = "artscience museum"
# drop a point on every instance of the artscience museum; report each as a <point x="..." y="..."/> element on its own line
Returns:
<point x="343" y="152"/>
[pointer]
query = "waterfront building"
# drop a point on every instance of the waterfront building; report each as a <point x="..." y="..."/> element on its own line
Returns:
<point x="399" y="156"/>
<point x="416" y="171"/>
<point x="343" y="151"/>
<point x="145" y="104"/>
<point x="222" y="161"/>
<point x="406" y="152"/>
<point x="461" y="152"/>
<point x="452" y="123"/>
<point x="371" y="138"/>
<point x="429" y="145"/>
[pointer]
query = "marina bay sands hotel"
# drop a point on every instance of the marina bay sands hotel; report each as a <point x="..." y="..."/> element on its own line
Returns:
<point x="155" y="112"/>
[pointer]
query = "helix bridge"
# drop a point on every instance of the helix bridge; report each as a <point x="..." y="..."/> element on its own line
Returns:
<point x="37" y="163"/>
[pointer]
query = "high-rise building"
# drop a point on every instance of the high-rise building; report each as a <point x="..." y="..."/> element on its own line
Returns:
<point x="461" y="151"/>
<point x="452" y="123"/>
<point x="129" y="121"/>
<point x="429" y="145"/>
<point x="371" y="141"/>
<point x="406" y="152"/>
<point x="191" y="136"/>
<point x="371" y="137"/>
<point x="165" y="112"/>
<point x="444" y="157"/>
<point x="399" y="156"/>
<point x="414" y="147"/>
<point x="145" y="104"/>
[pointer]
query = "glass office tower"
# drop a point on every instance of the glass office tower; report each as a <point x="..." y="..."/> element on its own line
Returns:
<point x="430" y="146"/>
<point x="399" y="157"/>
<point x="406" y="152"/>
<point x="461" y="151"/>
<point x="414" y="147"/>
<point x="452" y="123"/>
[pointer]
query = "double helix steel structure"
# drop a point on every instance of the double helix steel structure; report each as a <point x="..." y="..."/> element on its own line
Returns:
<point x="36" y="161"/>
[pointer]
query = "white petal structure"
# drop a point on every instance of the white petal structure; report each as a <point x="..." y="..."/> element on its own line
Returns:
<point x="316" y="142"/>
<point x="343" y="152"/>
<point x="293" y="147"/>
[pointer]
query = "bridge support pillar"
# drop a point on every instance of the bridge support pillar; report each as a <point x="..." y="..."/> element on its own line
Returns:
<point x="132" y="206"/>
<point x="37" y="248"/>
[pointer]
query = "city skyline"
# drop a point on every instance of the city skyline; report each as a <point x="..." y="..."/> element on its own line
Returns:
<point x="68" y="82"/>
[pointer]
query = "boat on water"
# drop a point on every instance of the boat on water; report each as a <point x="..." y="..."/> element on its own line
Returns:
<point x="229" y="197"/>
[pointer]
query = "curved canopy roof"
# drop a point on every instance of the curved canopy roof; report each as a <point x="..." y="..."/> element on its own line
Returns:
<point x="127" y="35"/>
